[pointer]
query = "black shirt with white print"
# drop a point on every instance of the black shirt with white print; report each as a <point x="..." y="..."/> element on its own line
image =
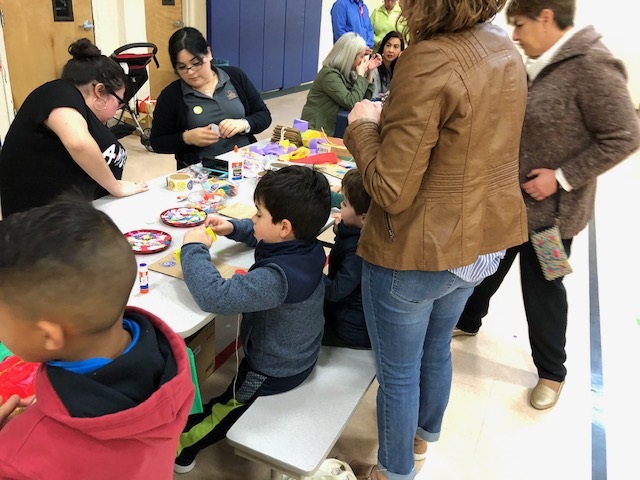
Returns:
<point x="35" y="167"/>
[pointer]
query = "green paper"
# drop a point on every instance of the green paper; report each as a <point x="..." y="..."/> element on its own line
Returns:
<point x="197" y="400"/>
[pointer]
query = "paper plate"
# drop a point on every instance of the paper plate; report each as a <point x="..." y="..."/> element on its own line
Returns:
<point x="183" y="217"/>
<point x="148" y="241"/>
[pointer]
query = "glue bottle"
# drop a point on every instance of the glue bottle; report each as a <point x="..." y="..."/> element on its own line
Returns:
<point x="235" y="165"/>
<point x="143" y="274"/>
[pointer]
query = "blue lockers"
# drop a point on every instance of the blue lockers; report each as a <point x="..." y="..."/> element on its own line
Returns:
<point x="275" y="42"/>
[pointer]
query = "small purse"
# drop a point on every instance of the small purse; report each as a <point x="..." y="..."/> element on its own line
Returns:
<point x="547" y="243"/>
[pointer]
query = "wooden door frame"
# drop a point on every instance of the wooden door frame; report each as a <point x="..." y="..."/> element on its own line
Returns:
<point x="194" y="14"/>
<point x="7" y="113"/>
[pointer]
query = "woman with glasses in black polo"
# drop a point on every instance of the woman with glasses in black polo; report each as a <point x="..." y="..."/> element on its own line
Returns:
<point x="209" y="109"/>
<point x="58" y="140"/>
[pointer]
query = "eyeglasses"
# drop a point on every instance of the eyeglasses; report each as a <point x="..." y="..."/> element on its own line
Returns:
<point x="194" y="67"/>
<point x="121" y="102"/>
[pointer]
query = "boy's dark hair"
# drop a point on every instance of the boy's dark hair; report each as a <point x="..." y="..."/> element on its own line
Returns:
<point x="88" y="65"/>
<point x="353" y="190"/>
<point x="563" y="10"/>
<point x="298" y="194"/>
<point x="66" y="258"/>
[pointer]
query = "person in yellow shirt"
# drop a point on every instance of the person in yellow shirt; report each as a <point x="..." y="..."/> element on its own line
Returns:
<point x="384" y="19"/>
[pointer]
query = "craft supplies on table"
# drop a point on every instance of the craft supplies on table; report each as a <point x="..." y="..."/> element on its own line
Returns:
<point x="183" y="217"/>
<point x="148" y="241"/>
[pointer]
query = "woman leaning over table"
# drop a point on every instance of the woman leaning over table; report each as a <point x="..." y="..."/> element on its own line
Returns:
<point x="58" y="140"/>
<point x="209" y="109"/>
<point x="440" y="162"/>
<point x="346" y="77"/>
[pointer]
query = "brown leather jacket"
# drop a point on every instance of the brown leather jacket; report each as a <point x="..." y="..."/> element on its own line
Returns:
<point x="442" y="168"/>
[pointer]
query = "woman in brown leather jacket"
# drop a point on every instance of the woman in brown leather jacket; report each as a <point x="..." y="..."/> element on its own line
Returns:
<point x="440" y="162"/>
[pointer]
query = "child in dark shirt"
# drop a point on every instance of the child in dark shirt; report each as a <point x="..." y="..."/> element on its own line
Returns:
<point x="344" y="315"/>
<point x="280" y="297"/>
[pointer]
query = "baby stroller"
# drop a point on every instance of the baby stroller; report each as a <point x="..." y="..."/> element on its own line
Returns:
<point x="136" y="77"/>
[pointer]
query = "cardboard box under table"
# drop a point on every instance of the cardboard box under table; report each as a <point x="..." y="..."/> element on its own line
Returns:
<point x="203" y="345"/>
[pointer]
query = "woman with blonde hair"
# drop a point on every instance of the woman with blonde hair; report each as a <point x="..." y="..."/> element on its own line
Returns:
<point x="440" y="162"/>
<point x="346" y="78"/>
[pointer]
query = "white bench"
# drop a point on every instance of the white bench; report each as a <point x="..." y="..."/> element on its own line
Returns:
<point x="293" y="432"/>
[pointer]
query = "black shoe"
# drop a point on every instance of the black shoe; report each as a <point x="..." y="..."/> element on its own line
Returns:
<point x="184" y="462"/>
<point x="461" y="333"/>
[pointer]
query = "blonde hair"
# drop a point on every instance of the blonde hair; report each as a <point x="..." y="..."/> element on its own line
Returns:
<point x="427" y="18"/>
<point x="344" y="52"/>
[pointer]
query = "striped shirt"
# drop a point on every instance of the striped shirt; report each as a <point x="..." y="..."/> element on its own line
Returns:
<point x="484" y="266"/>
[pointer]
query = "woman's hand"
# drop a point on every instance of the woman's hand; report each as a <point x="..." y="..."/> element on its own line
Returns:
<point x="362" y="69"/>
<point x="200" y="136"/>
<point x="230" y="127"/>
<point x="219" y="225"/>
<point x="365" y="110"/>
<point x="375" y="62"/>
<point x="542" y="183"/>
<point x="130" y="188"/>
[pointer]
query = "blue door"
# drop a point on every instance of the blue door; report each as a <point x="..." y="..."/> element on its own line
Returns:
<point x="275" y="42"/>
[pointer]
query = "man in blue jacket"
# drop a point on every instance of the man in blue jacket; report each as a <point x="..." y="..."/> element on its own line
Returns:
<point x="351" y="16"/>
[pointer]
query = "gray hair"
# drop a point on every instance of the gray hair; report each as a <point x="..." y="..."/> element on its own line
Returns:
<point x="343" y="53"/>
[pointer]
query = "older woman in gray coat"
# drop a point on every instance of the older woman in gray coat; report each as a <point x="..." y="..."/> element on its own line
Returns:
<point x="579" y="122"/>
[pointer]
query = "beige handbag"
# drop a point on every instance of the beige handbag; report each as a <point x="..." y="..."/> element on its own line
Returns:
<point x="547" y="243"/>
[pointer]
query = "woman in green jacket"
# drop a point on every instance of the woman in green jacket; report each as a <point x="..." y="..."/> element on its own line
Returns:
<point x="345" y="79"/>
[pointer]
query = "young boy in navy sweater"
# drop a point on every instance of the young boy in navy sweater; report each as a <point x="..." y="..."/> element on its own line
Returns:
<point x="280" y="297"/>
<point x="114" y="389"/>
<point x="343" y="300"/>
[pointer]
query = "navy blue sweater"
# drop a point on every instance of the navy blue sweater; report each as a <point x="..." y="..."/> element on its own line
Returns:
<point x="343" y="293"/>
<point x="280" y="298"/>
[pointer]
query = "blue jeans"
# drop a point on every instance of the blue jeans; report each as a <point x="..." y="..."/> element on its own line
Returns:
<point x="410" y="316"/>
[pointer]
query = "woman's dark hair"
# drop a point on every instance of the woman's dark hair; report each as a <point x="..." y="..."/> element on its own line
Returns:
<point x="189" y="39"/>
<point x="88" y="65"/>
<point x="563" y="10"/>
<point x="386" y="74"/>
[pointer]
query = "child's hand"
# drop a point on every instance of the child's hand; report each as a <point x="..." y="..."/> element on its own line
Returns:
<point x="198" y="235"/>
<point x="219" y="225"/>
<point x="337" y="188"/>
<point x="11" y="406"/>
<point x="337" y="218"/>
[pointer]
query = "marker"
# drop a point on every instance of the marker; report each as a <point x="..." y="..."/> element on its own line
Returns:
<point x="143" y="274"/>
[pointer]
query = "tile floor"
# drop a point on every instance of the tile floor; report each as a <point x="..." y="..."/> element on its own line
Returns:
<point x="490" y="432"/>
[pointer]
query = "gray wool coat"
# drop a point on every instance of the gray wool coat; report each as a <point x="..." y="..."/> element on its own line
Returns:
<point x="580" y="118"/>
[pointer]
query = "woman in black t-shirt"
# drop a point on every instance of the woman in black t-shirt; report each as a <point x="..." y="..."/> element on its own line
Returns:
<point x="58" y="140"/>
